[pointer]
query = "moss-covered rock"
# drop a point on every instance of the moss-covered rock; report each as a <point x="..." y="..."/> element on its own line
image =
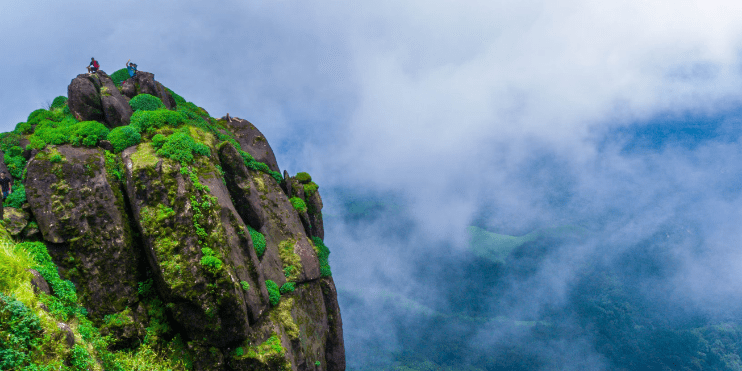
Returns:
<point x="78" y="210"/>
<point x="262" y="203"/>
<point x="179" y="217"/>
<point x="253" y="142"/>
<point x="15" y="220"/>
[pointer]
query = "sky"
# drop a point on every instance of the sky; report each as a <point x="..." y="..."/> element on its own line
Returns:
<point x="624" y="116"/>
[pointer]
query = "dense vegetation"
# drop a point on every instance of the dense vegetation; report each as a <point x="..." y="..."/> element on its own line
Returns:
<point x="29" y="336"/>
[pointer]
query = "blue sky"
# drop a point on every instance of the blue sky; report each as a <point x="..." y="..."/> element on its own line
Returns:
<point x="541" y="112"/>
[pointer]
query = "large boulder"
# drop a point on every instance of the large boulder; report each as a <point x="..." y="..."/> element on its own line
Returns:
<point x="81" y="213"/>
<point x="116" y="108"/>
<point x="179" y="217"/>
<point x="253" y="142"/>
<point x="84" y="98"/>
<point x="262" y="203"/>
<point x="145" y="84"/>
<point x="14" y="220"/>
<point x="96" y="97"/>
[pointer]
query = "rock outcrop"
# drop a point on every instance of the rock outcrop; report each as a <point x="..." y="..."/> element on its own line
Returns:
<point x="94" y="97"/>
<point x="253" y="141"/>
<point x="209" y="249"/>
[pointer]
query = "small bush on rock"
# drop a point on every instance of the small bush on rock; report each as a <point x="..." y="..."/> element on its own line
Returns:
<point x="119" y="76"/>
<point x="287" y="287"/>
<point x="298" y="204"/>
<point x="86" y="133"/>
<point x="123" y="137"/>
<point x="59" y="102"/>
<point x="274" y="294"/>
<point x="148" y="121"/>
<point x="303" y="177"/>
<point x="181" y="148"/>
<point x="158" y="140"/>
<point x="210" y="262"/>
<point x="323" y="254"/>
<point x="258" y="241"/>
<point x="145" y="102"/>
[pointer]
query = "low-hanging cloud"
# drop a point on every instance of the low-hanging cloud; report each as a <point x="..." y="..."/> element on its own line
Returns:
<point x="523" y="109"/>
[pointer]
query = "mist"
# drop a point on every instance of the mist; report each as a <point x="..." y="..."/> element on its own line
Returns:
<point x="429" y="117"/>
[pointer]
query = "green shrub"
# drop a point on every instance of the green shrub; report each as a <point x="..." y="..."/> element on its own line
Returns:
<point x="310" y="188"/>
<point x="274" y="294"/>
<point x="23" y="128"/>
<point x="16" y="198"/>
<point x="86" y="133"/>
<point x="123" y="137"/>
<point x="145" y="289"/>
<point x="113" y="166"/>
<point x="148" y="121"/>
<point x="182" y="148"/>
<point x="119" y="76"/>
<point x="35" y="142"/>
<point x="8" y="140"/>
<point x="20" y="333"/>
<point x="287" y="287"/>
<point x="64" y="301"/>
<point x="15" y="162"/>
<point x="56" y="158"/>
<point x="145" y="102"/>
<point x="303" y="177"/>
<point x="258" y="241"/>
<point x="210" y="262"/>
<point x="59" y="102"/>
<point x="158" y="140"/>
<point x="323" y="254"/>
<point x="245" y="285"/>
<point x="41" y="114"/>
<point x="298" y="204"/>
<point x="80" y="359"/>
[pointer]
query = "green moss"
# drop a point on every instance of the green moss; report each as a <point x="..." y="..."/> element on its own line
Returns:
<point x="282" y="315"/>
<point x="245" y="285"/>
<point x="274" y="295"/>
<point x="323" y="254"/>
<point x="210" y="262"/>
<point x="290" y="259"/>
<point x="144" y="156"/>
<point x="270" y="353"/>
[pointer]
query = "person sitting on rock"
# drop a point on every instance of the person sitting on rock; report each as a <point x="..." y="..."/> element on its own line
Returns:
<point x="5" y="185"/>
<point x="93" y="66"/>
<point x="132" y="68"/>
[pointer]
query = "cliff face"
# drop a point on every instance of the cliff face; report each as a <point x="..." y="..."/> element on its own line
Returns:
<point x="159" y="213"/>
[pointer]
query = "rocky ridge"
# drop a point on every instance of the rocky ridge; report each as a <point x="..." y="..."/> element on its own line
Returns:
<point x="178" y="225"/>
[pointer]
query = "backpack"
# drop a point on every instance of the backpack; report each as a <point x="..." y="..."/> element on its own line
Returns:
<point x="95" y="64"/>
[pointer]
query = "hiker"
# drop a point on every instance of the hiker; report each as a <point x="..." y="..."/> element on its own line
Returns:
<point x="132" y="68"/>
<point x="93" y="66"/>
<point x="5" y="184"/>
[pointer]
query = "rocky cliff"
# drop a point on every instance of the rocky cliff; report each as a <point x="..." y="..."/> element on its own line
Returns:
<point x="178" y="233"/>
